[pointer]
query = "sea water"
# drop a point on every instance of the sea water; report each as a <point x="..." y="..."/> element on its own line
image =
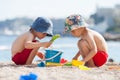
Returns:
<point x="68" y="45"/>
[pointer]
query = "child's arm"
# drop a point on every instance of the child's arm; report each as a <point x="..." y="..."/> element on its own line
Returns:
<point x="31" y="45"/>
<point x="92" y="47"/>
<point x="76" y="56"/>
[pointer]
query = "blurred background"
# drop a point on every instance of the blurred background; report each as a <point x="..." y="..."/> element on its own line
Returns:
<point x="16" y="16"/>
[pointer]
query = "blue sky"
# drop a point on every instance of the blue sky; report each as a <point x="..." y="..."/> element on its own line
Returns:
<point x="51" y="8"/>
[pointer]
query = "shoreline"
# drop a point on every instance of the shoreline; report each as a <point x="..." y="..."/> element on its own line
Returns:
<point x="10" y="71"/>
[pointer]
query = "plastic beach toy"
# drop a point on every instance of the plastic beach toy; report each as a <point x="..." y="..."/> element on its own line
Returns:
<point x="82" y="67"/>
<point x="77" y="63"/>
<point x="63" y="61"/>
<point x="55" y="37"/>
<point x="53" y="64"/>
<point x="31" y="76"/>
<point x="52" y="57"/>
<point x="40" y="55"/>
<point x="41" y="64"/>
<point x="68" y="64"/>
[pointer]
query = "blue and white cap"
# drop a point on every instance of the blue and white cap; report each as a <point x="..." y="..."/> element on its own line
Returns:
<point x="44" y="25"/>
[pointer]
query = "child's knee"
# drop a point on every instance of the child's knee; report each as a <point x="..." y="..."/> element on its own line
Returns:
<point x="35" y="49"/>
<point x="82" y="43"/>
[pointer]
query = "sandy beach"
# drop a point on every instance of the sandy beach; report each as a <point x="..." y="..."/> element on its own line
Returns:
<point x="10" y="71"/>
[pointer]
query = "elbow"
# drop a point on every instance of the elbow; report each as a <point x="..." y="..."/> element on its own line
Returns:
<point x="94" y="51"/>
<point x="27" y="46"/>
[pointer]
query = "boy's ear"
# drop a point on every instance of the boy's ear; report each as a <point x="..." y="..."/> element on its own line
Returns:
<point x="74" y="28"/>
<point x="72" y="31"/>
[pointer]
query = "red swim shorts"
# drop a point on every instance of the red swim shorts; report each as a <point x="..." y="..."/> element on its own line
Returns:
<point x="100" y="58"/>
<point x="21" y="57"/>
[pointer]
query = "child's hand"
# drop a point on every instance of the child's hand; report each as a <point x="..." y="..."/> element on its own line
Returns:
<point x="47" y="44"/>
<point x="75" y="58"/>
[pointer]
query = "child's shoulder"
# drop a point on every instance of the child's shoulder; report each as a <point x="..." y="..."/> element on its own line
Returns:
<point x="94" y="32"/>
<point x="24" y="35"/>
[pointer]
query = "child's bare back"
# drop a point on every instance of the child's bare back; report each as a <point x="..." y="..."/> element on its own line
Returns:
<point x="19" y="43"/>
<point x="93" y="36"/>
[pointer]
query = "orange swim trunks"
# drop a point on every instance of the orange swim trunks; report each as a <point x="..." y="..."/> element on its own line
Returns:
<point x="100" y="58"/>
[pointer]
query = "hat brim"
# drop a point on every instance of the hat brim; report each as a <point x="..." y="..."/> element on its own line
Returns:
<point x="49" y="35"/>
<point x="73" y="27"/>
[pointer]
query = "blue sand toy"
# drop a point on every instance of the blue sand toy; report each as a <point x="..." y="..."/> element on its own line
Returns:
<point x="41" y="64"/>
<point x="50" y="56"/>
<point x="53" y="56"/>
<point x="31" y="76"/>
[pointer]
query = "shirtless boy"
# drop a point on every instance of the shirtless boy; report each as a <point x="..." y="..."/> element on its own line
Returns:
<point x="92" y="46"/>
<point x="25" y="47"/>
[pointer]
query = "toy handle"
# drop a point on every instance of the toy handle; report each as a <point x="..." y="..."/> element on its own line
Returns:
<point x="54" y="56"/>
<point x="54" y="37"/>
<point x="51" y="57"/>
